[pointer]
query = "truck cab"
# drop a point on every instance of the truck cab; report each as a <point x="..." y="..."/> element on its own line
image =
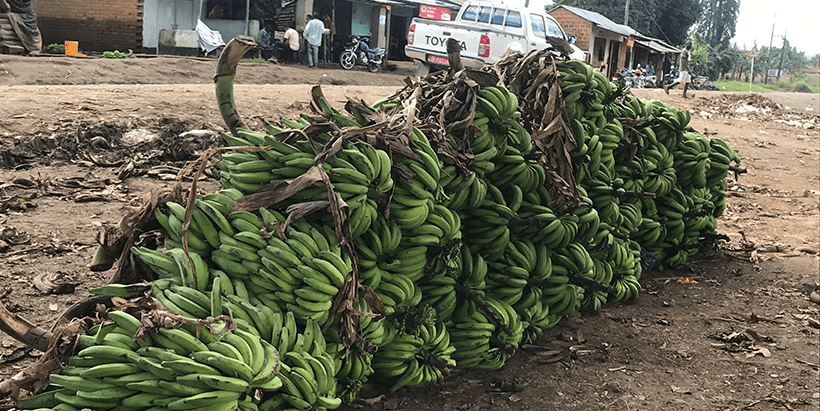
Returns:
<point x="486" y="30"/>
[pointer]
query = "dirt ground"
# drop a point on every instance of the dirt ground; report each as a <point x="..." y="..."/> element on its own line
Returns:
<point x="733" y="329"/>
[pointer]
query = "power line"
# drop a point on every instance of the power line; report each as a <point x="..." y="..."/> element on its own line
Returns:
<point x="655" y="22"/>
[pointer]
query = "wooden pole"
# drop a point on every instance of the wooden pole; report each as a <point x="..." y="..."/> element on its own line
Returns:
<point x="247" y="17"/>
<point x="753" y="75"/>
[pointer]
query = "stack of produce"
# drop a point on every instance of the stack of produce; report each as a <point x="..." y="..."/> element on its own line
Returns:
<point x="467" y="262"/>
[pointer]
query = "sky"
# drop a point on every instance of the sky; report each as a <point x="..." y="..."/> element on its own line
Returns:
<point x="799" y="20"/>
<point x="796" y="19"/>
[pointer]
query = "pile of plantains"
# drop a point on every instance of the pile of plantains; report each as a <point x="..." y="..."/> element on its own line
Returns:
<point x="440" y="227"/>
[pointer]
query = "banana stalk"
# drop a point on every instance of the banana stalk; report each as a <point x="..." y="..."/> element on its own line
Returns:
<point x="225" y="72"/>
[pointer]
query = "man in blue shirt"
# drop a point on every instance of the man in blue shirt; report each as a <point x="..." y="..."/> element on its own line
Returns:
<point x="267" y="41"/>
<point x="313" y="35"/>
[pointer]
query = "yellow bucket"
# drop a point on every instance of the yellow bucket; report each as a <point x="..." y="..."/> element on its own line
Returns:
<point x="72" y="48"/>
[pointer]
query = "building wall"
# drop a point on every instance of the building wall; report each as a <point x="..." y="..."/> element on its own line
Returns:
<point x="574" y="25"/>
<point x="168" y="15"/>
<point x="98" y="25"/>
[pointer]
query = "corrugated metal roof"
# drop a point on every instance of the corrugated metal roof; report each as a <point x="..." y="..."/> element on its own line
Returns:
<point x="658" y="45"/>
<point x="440" y="3"/>
<point x="601" y="21"/>
<point x="385" y="2"/>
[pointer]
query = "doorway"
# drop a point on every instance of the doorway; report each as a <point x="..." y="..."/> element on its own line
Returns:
<point x="398" y="37"/>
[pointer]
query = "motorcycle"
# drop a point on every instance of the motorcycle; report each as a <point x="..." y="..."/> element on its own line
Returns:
<point x="649" y="80"/>
<point x="639" y="79"/>
<point x="670" y="77"/>
<point x="624" y="76"/>
<point x="703" y="83"/>
<point x="359" y="53"/>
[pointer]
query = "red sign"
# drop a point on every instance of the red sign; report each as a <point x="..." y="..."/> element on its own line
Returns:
<point x="753" y="53"/>
<point x="434" y="12"/>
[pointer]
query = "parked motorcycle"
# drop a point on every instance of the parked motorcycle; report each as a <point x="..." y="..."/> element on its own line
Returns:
<point x="359" y="53"/>
<point x="624" y="76"/>
<point x="637" y="78"/>
<point x="703" y="83"/>
<point x="670" y="77"/>
<point x="649" y="80"/>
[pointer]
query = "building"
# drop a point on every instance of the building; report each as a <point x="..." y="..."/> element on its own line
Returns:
<point x="606" y="41"/>
<point x="139" y="25"/>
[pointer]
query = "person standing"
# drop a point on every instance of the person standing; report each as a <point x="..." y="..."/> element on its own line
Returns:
<point x="326" y="39"/>
<point x="683" y="65"/>
<point x="313" y="35"/>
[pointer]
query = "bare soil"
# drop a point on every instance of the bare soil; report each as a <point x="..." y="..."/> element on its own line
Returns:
<point x="733" y="329"/>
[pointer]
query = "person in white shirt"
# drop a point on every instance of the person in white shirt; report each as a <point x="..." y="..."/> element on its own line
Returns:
<point x="313" y="35"/>
<point x="291" y="38"/>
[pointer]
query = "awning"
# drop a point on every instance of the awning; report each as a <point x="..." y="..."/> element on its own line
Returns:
<point x="380" y="2"/>
<point x="657" y="46"/>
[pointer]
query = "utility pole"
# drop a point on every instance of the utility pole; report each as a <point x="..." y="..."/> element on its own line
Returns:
<point x="772" y="37"/>
<point x="768" y="52"/>
<point x="626" y="23"/>
<point x="626" y="14"/>
<point x="782" y="52"/>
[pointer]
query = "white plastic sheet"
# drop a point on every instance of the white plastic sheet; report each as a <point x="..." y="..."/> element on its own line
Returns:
<point x="209" y="40"/>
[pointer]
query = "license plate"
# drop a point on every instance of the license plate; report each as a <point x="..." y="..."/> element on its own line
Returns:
<point x="438" y="60"/>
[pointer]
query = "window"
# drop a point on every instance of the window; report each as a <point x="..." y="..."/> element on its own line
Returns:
<point x="553" y="29"/>
<point x="538" y="28"/>
<point x="513" y="19"/>
<point x="470" y="13"/>
<point x="235" y="10"/>
<point x="484" y="15"/>
<point x="498" y="17"/>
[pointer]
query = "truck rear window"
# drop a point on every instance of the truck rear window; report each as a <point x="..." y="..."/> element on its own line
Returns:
<point x="498" y="16"/>
<point x="470" y="13"/>
<point x="513" y="19"/>
<point x="484" y="15"/>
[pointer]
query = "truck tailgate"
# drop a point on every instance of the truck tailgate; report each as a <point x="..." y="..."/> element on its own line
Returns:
<point x="431" y="36"/>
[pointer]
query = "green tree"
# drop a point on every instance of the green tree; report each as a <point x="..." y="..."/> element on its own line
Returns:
<point x="674" y="20"/>
<point x="717" y="22"/>
<point x="699" y="63"/>
<point x="668" y="20"/>
<point x="715" y="61"/>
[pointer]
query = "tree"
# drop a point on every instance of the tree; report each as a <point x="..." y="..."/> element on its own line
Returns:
<point x="675" y="19"/>
<point x="717" y="22"/>
<point x="668" y="20"/>
<point x="715" y="61"/>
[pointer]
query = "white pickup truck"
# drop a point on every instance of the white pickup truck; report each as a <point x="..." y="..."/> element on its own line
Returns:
<point x="486" y="30"/>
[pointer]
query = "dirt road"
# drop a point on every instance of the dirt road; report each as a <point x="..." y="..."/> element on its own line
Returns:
<point x="668" y="350"/>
